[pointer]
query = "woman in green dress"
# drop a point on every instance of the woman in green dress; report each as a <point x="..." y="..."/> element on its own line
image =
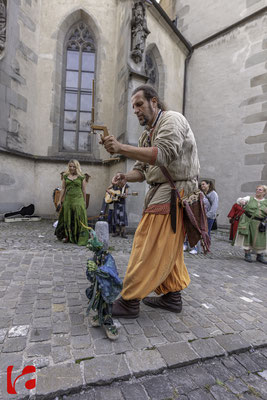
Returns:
<point x="251" y="233"/>
<point x="72" y="202"/>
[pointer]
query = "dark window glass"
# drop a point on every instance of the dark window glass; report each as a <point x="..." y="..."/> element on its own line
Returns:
<point x="79" y="75"/>
<point x="69" y="140"/>
<point x="73" y="60"/>
<point x="85" y="119"/>
<point x="71" y="101"/>
<point x="86" y="102"/>
<point x="84" y="142"/>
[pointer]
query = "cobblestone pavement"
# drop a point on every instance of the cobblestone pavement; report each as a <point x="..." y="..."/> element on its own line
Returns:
<point x="223" y="325"/>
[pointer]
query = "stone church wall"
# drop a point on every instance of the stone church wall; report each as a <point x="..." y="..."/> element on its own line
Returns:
<point x="225" y="99"/>
<point x="31" y="72"/>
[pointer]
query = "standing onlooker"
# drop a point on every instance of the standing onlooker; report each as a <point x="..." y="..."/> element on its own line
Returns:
<point x="234" y="217"/>
<point x="251" y="233"/>
<point x="119" y="214"/>
<point x="72" y="201"/>
<point x="211" y="202"/>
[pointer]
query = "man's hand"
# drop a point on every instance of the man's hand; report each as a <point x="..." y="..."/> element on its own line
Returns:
<point x="119" y="179"/>
<point x="111" y="144"/>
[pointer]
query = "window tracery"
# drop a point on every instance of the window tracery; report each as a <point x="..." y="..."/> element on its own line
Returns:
<point x="79" y="76"/>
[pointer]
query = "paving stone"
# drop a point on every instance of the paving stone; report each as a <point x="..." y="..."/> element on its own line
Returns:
<point x="60" y="354"/>
<point x="63" y="327"/>
<point x="40" y="334"/>
<point x="18" y="331"/>
<point x="3" y="333"/>
<point x="263" y="374"/>
<point x="43" y="322"/>
<point x="81" y="342"/>
<point x="82" y="354"/>
<point x="159" y="389"/>
<point x="218" y="370"/>
<point x="207" y="348"/>
<point x="133" y="391"/>
<point x="122" y="346"/>
<point x="234" y="366"/>
<point x="108" y="393"/>
<point x="42" y="313"/>
<point x="103" y="346"/>
<point x="105" y="369"/>
<point x="182" y="381"/>
<point x="259" y="359"/>
<point x="146" y="361"/>
<point x="39" y="349"/>
<point x="40" y="362"/>
<point x="77" y="330"/>
<point x="232" y="343"/>
<point x="257" y="385"/>
<point x="68" y="376"/>
<point x="22" y="319"/>
<point x="221" y="393"/>
<point x="15" y="359"/>
<point x="254" y="336"/>
<point x="247" y="362"/>
<point x="76" y="319"/>
<point x="200" y="394"/>
<point x="13" y="345"/>
<point x="60" y="340"/>
<point x="178" y="354"/>
<point x="200" y="375"/>
<point x="139" y="342"/>
<point x="236" y="386"/>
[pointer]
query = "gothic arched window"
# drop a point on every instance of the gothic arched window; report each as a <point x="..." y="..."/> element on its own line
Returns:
<point x="78" y="84"/>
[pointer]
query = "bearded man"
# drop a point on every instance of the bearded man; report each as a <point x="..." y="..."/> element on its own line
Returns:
<point x="156" y="262"/>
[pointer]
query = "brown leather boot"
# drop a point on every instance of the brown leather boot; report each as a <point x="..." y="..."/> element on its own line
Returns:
<point x="125" y="308"/>
<point x="171" y="301"/>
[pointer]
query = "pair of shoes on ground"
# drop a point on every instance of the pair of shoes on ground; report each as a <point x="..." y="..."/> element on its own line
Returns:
<point x="260" y="258"/>
<point x="129" y="309"/>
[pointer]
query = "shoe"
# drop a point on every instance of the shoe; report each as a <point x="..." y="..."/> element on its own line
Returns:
<point x="185" y="248"/>
<point x="124" y="236"/>
<point x="110" y="329"/>
<point x="115" y="234"/>
<point x="194" y="251"/>
<point x="125" y="308"/>
<point x="260" y="258"/>
<point x="171" y="301"/>
<point x="248" y="257"/>
<point x="65" y="240"/>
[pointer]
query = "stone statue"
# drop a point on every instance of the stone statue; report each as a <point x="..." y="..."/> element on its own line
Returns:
<point x="2" y="25"/>
<point x="139" y="31"/>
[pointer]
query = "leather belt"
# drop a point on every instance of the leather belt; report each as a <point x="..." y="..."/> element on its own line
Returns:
<point x="256" y="218"/>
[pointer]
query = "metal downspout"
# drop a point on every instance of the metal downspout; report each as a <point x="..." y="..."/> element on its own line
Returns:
<point x="185" y="77"/>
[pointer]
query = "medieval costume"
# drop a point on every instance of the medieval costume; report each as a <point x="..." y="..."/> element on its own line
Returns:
<point x="157" y="262"/>
<point x="251" y="233"/>
<point x="72" y="213"/>
<point x="234" y="215"/>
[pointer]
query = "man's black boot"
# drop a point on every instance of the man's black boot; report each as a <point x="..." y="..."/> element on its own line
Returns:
<point x="171" y="301"/>
<point x="248" y="257"/>
<point x="125" y="308"/>
<point x="261" y="259"/>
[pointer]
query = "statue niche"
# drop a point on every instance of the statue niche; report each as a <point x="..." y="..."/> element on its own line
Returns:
<point x="2" y="25"/>
<point x="139" y="32"/>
